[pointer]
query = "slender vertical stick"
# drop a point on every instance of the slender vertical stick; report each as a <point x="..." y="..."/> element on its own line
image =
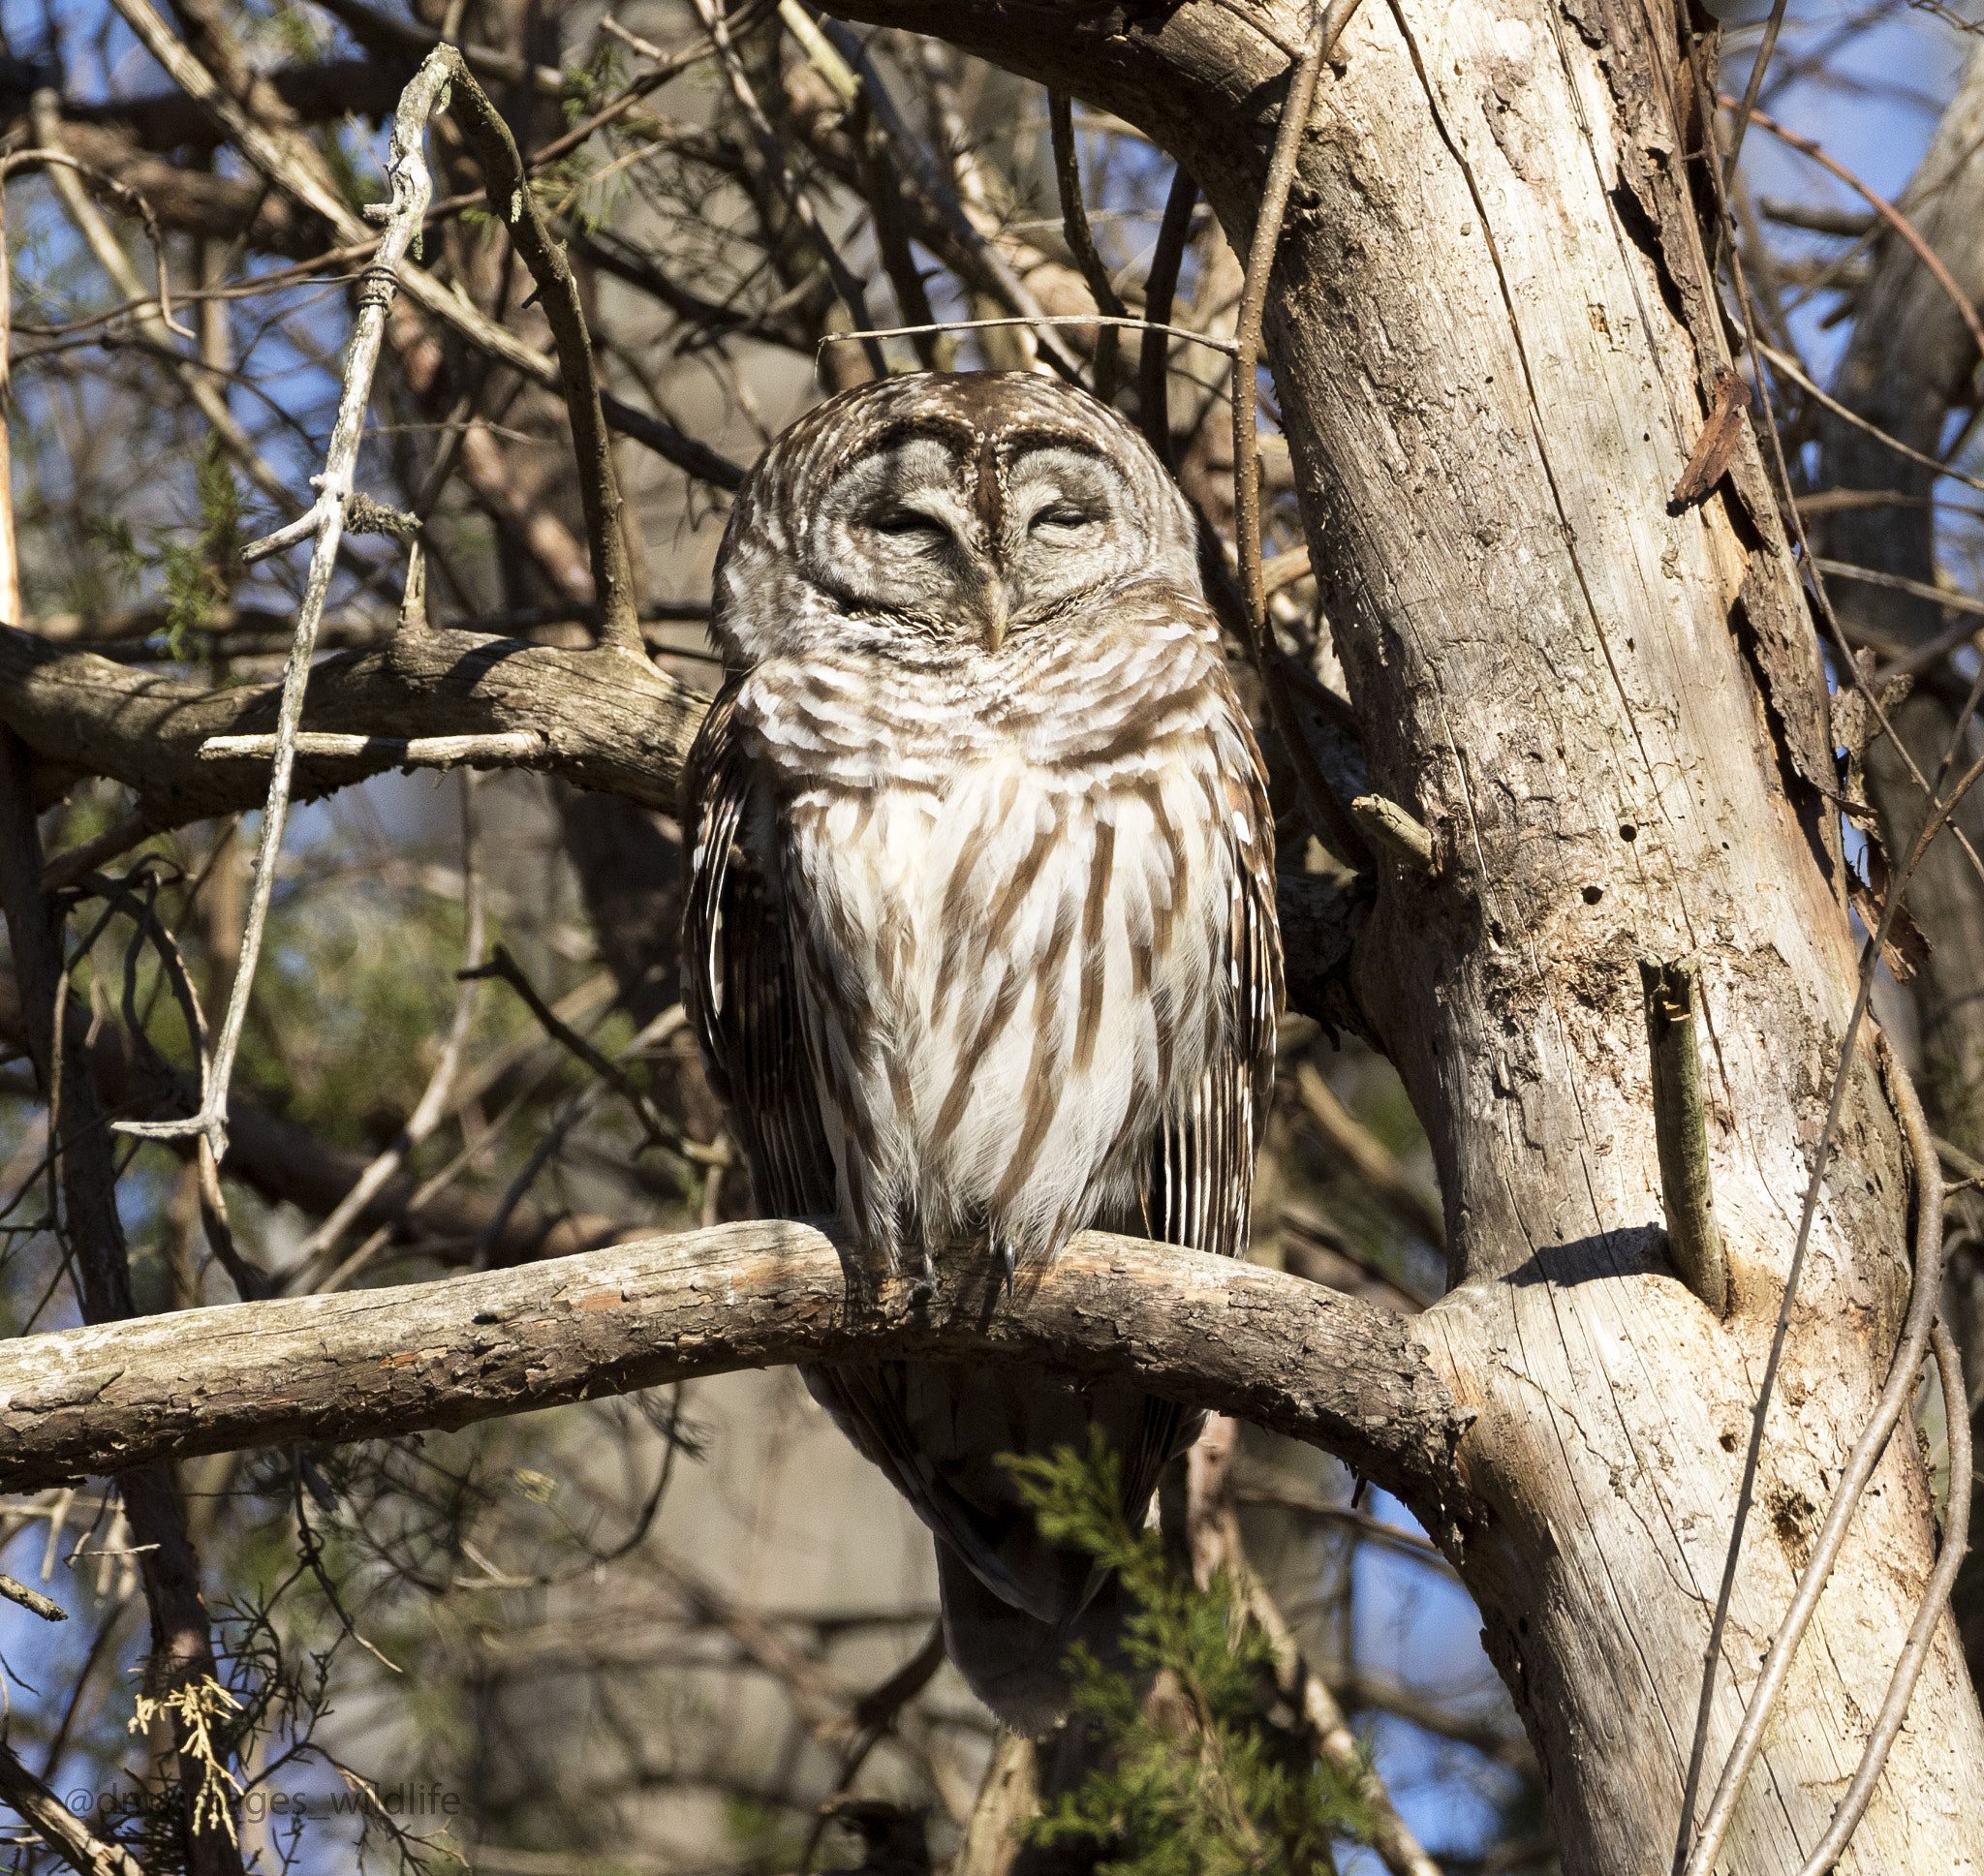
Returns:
<point x="406" y="172"/>
<point x="1081" y="240"/>
<point x="10" y="556"/>
<point x="1328" y="815"/>
<point x="1159" y="288"/>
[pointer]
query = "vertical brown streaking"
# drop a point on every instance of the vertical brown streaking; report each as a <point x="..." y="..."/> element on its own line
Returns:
<point x="958" y="1096"/>
<point x="1094" y="957"/>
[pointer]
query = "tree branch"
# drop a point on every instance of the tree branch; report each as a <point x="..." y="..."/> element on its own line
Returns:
<point x="1204" y="1331"/>
<point x="600" y="721"/>
<point x="291" y="168"/>
<point x="513" y="204"/>
<point x="68" y="1836"/>
<point x="286" y="1163"/>
<point x="609" y="722"/>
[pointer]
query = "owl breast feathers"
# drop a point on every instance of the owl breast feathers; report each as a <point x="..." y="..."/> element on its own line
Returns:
<point x="980" y="940"/>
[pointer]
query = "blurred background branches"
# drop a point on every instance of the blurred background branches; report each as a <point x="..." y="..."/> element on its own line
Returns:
<point x="663" y="1633"/>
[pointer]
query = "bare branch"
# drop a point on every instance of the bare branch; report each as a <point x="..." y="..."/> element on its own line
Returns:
<point x="1081" y="238"/>
<point x="274" y="161"/>
<point x="1159" y="285"/>
<point x="1327" y="816"/>
<point x="407" y="174"/>
<point x="513" y="204"/>
<point x="65" y="1834"/>
<point x="1205" y="1331"/>
<point x="1860" y="1463"/>
<point x="1369" y="1157"/>
<point x="609" y="722"/>
<point x="1882" y="207"/>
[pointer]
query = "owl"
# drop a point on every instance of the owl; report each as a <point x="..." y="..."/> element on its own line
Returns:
<point x="979" y="940"/>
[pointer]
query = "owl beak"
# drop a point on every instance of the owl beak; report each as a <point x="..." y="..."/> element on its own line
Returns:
<point x="998" y="607"/>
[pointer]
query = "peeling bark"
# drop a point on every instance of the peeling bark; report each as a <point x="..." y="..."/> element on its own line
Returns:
<point x="1910" y="361"/>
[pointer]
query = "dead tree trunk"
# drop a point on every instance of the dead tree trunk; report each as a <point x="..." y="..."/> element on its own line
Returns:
<point x="1910" y="363"/>
<point x="1494" y="340"/>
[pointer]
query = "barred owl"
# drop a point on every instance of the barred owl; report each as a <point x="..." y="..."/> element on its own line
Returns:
<point x="981" y="938"/>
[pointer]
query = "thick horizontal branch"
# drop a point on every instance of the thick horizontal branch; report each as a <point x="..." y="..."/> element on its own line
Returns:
<point x="1205" y="1331"/>
<point x="605" y="719"/>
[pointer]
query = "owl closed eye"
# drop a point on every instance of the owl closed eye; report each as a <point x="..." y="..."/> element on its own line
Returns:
<point x="966" y="530"/>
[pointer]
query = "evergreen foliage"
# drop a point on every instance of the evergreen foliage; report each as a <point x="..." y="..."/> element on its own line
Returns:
<point x="1203" y="1777"/>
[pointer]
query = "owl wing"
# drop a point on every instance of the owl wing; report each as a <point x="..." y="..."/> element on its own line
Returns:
<point x="1200" y="1189"/>
<point x="1201" y="1172"/>
<point x="738" y="980"/>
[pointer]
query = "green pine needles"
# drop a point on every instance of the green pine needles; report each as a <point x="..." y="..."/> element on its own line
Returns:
<point x="1208" y="1773"/>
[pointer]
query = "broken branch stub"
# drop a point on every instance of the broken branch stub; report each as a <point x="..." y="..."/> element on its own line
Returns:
<point x="1680" y="1131"/>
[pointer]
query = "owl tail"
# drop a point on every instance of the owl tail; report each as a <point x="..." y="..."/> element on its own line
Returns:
<point x="1015" y="1662"/>
<point x="1014" y="1602"/>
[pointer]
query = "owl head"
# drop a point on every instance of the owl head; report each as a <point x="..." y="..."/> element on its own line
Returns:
<point x="947" y="512"/>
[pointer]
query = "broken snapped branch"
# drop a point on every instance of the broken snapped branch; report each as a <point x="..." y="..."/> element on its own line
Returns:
<point x="1679" y="1129"/>
<point x="1210" y="1332"/>
<point x="1396" y="831"/>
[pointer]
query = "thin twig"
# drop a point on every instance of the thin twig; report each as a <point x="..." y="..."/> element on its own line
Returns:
<point x="1369" y="1157"/>
<point x="995" y="272"/>
<point x="1328" y="815"/>
<point x="433" y="1104"/>
<point x="407" y="175"/>
<point x="153" y="316"/>
<point x="711" y="14"/>
<point x="659" y="1129"/>
<point x="669" y="65"/>
<point x="1790" y="368"/>
<point x="1840" y="569"/>
<point x="71" y="865"/>
<point x="1882" y="207"/>
<point x="64" y="1833"/>
<point x="1081" y="240"/>
<point x="514" y="204"/>
<point x="33" y="1601"/>
<point x="1866" y="1449"/>
<point x="1956" y="1526"/>
<point x="453" y="309"/>
<point x="1224" y="347"/>
<point x="1759" y="66"/>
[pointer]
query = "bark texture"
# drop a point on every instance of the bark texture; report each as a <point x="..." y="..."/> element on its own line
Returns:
<point x="1911" y="361"/>
<point x="1495" y="341"/>
<point x="1203" y="1330"/>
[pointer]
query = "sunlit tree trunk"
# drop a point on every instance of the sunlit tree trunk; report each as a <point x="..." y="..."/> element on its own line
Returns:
<point x="1494" y="340"/>
<point x="1911" y="361"/>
